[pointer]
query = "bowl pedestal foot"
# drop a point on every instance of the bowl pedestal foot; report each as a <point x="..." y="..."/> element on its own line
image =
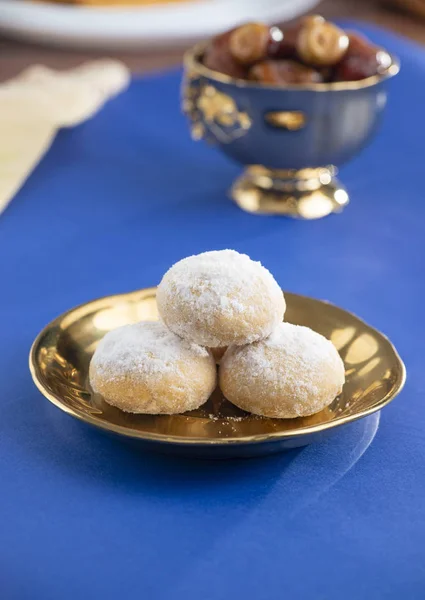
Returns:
<point x="304" y="194"/>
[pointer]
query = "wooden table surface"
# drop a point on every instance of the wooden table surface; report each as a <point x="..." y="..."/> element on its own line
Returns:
<point x="14" y="55"/>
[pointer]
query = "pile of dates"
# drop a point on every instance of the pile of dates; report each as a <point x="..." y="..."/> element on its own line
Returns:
<point x="312" y="50"/>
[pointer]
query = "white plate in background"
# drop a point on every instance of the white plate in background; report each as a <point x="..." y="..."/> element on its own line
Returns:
<point x="136" y="27"/>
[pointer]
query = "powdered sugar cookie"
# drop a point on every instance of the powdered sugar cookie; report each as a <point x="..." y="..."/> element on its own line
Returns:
<point x="144" y="368"/>
<point x="220" y="298"/>
<point x="295" y="372"/>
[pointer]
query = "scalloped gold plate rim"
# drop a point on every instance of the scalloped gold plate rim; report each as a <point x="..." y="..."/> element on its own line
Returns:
<point x="61" y="353"/>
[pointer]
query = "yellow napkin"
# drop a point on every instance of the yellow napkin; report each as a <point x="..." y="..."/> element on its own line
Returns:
<point x="34" y="105"/>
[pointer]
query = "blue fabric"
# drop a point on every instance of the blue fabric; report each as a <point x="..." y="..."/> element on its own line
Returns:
<point x="112" y="205"/>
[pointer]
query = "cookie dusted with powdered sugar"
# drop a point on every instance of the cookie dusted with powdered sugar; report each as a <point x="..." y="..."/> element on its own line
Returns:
<point x="144" y="368"/>
<point x="295" y="372"/>
<point x="220" y="298"/>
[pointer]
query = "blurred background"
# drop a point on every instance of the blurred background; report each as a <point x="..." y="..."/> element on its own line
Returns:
<point x="151" y="34"/>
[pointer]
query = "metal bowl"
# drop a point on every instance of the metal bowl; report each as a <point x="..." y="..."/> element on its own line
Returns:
<point x="292" y="139"/>
<point x="60" y="358"/>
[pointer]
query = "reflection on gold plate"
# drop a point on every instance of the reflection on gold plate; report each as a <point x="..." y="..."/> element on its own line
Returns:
<point x="60" y="357"/>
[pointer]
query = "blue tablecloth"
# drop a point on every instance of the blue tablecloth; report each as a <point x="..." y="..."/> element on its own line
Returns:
<point x="114" y="203"/>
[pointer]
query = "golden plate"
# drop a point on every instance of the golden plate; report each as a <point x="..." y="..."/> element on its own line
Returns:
<point x="60" y="357"/>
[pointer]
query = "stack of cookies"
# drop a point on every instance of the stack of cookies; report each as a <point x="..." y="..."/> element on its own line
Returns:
<point x="221" y="307"/>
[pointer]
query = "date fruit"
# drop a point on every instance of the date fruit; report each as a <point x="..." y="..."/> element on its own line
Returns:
<point x="218" y="57"/>
<point x="320" y="43"/>
<point x="249" y="43"/>
<point x="284" y="72"/>
<point x="361" y="60"/>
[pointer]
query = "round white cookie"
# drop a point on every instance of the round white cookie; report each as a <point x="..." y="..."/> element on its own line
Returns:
<point x="145" y="368"/>
<point x="220" y="298"/>
<point x="295" y="372"/>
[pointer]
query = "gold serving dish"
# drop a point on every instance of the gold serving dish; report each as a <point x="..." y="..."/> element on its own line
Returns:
<point x="60" y="357"/>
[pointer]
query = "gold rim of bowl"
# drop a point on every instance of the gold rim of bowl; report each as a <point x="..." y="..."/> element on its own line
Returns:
<point x="83" y="310"/>
<point x="193" y="63"/>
